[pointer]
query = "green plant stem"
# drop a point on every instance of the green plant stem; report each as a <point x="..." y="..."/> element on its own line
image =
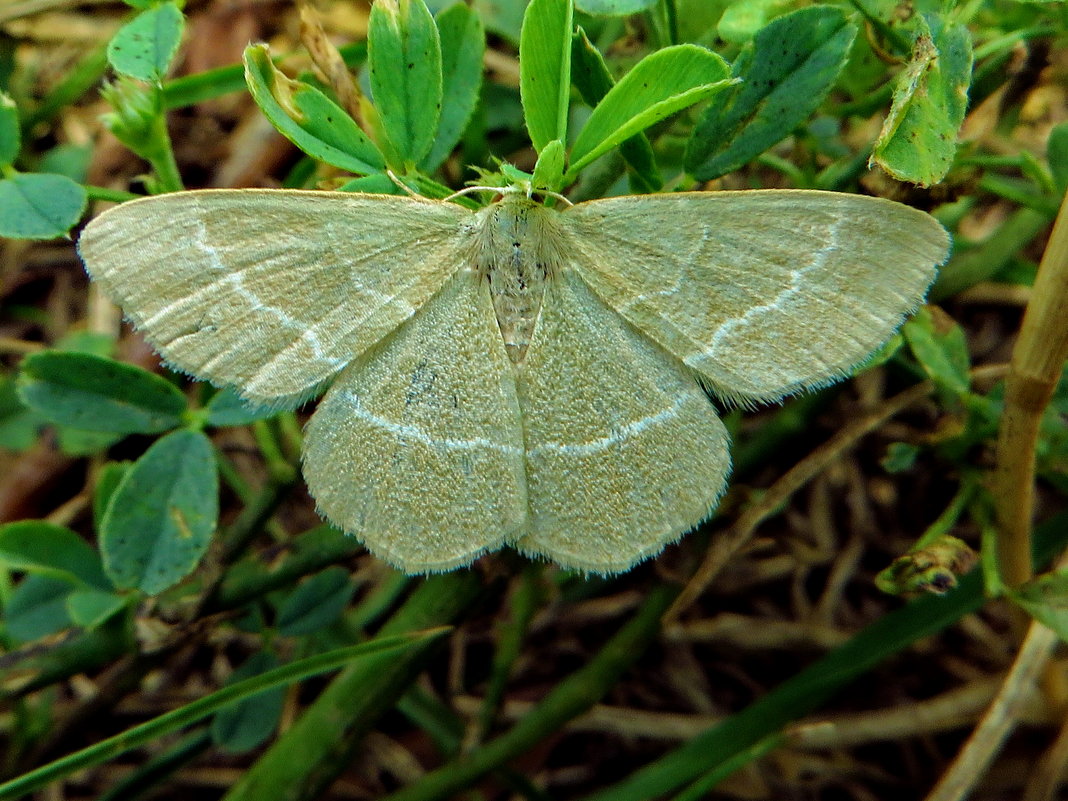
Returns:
<point x="271" y="449"/>
<point x="447" y="729"/>
<point x="104" y="193"/>
<point x="523" y="605"/>
<point x="1006" y="42"/>
<point x="163" y="163"/>
<point x="123" y="678"/>
<point x="951" y="514"/>
<point x="304" y="761"/>
<point x="577" y="693"/>
<point x="385" y="595"/>
<point x="874" y="101"/>
<point x="84" y="76"/>
<point x="202" y="707"/>
<point x="699" y="789"/>
<point x="1018" y="192"/>
<point x="662" y="24"/>
<point x="306" y="554"/>
<point x="210" y="84"/>
<point x="147" y="776"/>
<point x="892" y="35"/>
<point x="83" y="652"/>
<point x="256" y="514"/>
<point x="1037" y="360"/>
<point x="987" y="259"/>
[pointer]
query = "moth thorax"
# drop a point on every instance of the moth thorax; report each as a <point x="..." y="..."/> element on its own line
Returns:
<point x="516" y="260"/>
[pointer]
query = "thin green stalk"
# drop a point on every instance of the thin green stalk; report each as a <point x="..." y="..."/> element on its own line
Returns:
<point x="892" y="35"/>
<point x="291" y="435"/>
<point x="305" y="554"/>
<point x="983" y="262"/>
<point x="1008" y="41"/>
<point x="383" y="597"/>
<point x="660" y="21"/>
<point x="699" y="789"/>
<point x="951" y="514"/>
<point x="523" y="604"/>
<point x="210" y="84"/>
<point x="271" y="448"/>
<point x="104" y="193"/>
<point x="255" y="515"/>
<point x="874" y="101"/>
<point x="84" y="76"/>
<point x="446" y="728"/>
<point x="146" y="777"/>
<point x="1020" y="192"/>
<point x="164" y="165"/>
<point x="573" y="696"/>
<point x="80" y="652"/>
<point x="173" y="721"/>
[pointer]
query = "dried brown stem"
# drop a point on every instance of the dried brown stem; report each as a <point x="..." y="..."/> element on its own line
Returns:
<point x="985" y="742"/>
<point x="726" y="545"/>
<point x="729" y="543"/>
<point x="329" y="62"/>
<point x="1047" y="774"/>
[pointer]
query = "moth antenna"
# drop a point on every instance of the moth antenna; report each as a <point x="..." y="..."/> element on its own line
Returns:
<point x="393" y="177"/>
<point x="556" y="195"/>
<point x="469" y="189"/>
<point x="509" y="190"/>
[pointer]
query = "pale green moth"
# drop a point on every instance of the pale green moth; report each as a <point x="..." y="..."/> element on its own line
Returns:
<point x="521" y="375"/>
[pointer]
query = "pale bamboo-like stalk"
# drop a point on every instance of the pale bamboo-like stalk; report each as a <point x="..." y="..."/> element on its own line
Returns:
<point x="1037" y="360"/>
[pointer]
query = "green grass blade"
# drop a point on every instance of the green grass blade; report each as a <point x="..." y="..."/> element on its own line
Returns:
<point x="573" y="696"/>
<point x="202" y="707"/>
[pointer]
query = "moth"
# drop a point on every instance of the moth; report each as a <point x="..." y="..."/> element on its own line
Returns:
<point x="522" y="375"/>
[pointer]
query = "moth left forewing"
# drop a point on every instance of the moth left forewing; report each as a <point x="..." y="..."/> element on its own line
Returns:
<point x="763" y="293"/>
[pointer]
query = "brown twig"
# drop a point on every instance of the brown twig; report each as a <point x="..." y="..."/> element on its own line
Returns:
<point x="728" y="544"/>
<point x="985" y="742"/>
<point x="329" y="62"/>
<point x="1046" y="777"/>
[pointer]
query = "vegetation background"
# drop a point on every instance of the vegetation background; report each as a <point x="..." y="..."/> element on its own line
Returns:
<point x="267" y="656"/>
